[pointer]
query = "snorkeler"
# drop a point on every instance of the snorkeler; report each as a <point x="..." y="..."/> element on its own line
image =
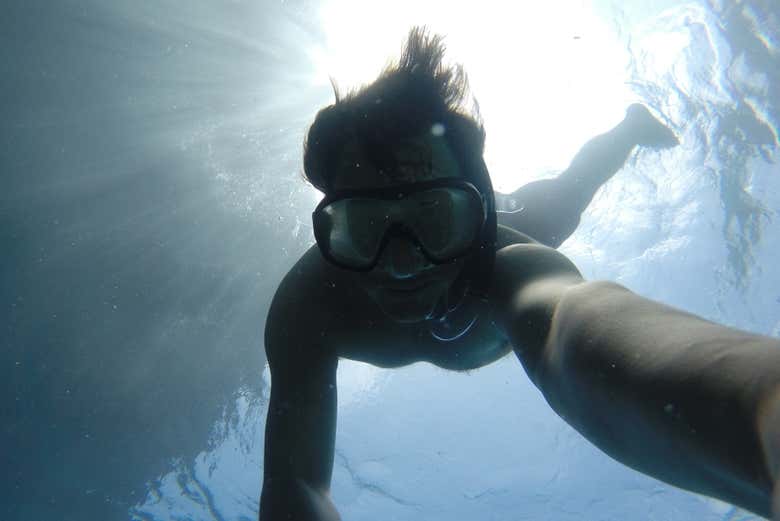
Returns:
<point x="410" y="265"/>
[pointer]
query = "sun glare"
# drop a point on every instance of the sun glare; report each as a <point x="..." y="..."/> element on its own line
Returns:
<point x="547" y="77"/>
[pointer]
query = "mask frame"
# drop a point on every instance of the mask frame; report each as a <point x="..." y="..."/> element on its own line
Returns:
<point x="396" y="193"/>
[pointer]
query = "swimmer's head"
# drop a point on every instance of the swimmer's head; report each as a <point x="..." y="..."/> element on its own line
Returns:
<point x="416" y="98"/>
<point x="409" y="126"/>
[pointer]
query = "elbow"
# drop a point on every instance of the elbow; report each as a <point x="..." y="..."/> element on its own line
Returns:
<point x="533" y="322"/>
<point x="561" y="329"/>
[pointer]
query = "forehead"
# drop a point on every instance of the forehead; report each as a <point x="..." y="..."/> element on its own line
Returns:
<point x="417" y="159"/>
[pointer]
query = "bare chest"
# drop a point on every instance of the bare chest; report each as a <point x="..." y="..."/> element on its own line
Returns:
<point x="372" y="338"/>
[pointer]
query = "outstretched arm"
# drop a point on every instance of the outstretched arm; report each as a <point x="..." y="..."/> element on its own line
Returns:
<point x="682" y="399"/>
<point x="301" y="423"/>
<point x="549" y="210"/>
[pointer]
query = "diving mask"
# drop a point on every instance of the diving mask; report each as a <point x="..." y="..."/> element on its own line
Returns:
<point x="444" y="218"/>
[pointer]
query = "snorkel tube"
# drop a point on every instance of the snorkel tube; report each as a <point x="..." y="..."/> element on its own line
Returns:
<point x="460" y="307"/>
<point x="475" y="279"/>
<point x="479" y="267"/>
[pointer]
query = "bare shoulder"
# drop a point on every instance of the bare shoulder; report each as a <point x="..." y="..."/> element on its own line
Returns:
<point x="320" y="311"/>
<point x="506" y="236"/>
<point x="311" y="300"/>
<point x="519" y="264"/>
<point x="308" y="282"/>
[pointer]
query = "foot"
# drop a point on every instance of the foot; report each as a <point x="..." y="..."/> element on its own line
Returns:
<point x="647" y="130"/>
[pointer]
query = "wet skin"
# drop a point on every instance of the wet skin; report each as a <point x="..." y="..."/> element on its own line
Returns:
<point x="606" y="360"/>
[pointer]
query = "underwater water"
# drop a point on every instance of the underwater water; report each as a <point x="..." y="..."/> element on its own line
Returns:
<point x="151" y="201"/>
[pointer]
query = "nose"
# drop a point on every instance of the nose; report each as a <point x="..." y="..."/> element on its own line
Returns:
<point x="402" y="258"/>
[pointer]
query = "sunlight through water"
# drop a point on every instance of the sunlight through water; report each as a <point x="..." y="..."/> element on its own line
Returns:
<point x="152" y="201"/>
<point x="546" y="75"/>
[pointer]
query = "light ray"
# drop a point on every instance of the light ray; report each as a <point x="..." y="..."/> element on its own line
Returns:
<point x="547" y="77"/>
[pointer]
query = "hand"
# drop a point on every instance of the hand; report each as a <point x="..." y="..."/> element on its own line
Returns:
<point x="647" y="130"/>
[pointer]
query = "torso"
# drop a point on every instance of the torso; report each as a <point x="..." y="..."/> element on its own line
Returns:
<point x="339" y="317"/>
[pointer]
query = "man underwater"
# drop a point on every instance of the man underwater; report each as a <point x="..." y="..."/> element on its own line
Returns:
<point x="411" y="265"/>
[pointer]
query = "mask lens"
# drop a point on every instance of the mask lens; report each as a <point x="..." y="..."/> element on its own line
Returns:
<point x="354" y="229"/>
<point x="446" y="221"/>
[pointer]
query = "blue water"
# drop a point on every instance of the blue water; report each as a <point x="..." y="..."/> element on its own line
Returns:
<point x="152" y="200"/>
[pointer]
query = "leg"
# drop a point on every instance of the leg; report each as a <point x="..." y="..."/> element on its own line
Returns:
<point x="549" y="210"/>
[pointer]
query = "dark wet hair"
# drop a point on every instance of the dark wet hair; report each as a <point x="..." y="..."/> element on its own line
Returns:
<point x="409" y="98"/>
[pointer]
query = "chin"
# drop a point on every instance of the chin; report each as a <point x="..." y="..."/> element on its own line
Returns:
<point x="407" y="314"/>
<point x="407" y="309"/>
